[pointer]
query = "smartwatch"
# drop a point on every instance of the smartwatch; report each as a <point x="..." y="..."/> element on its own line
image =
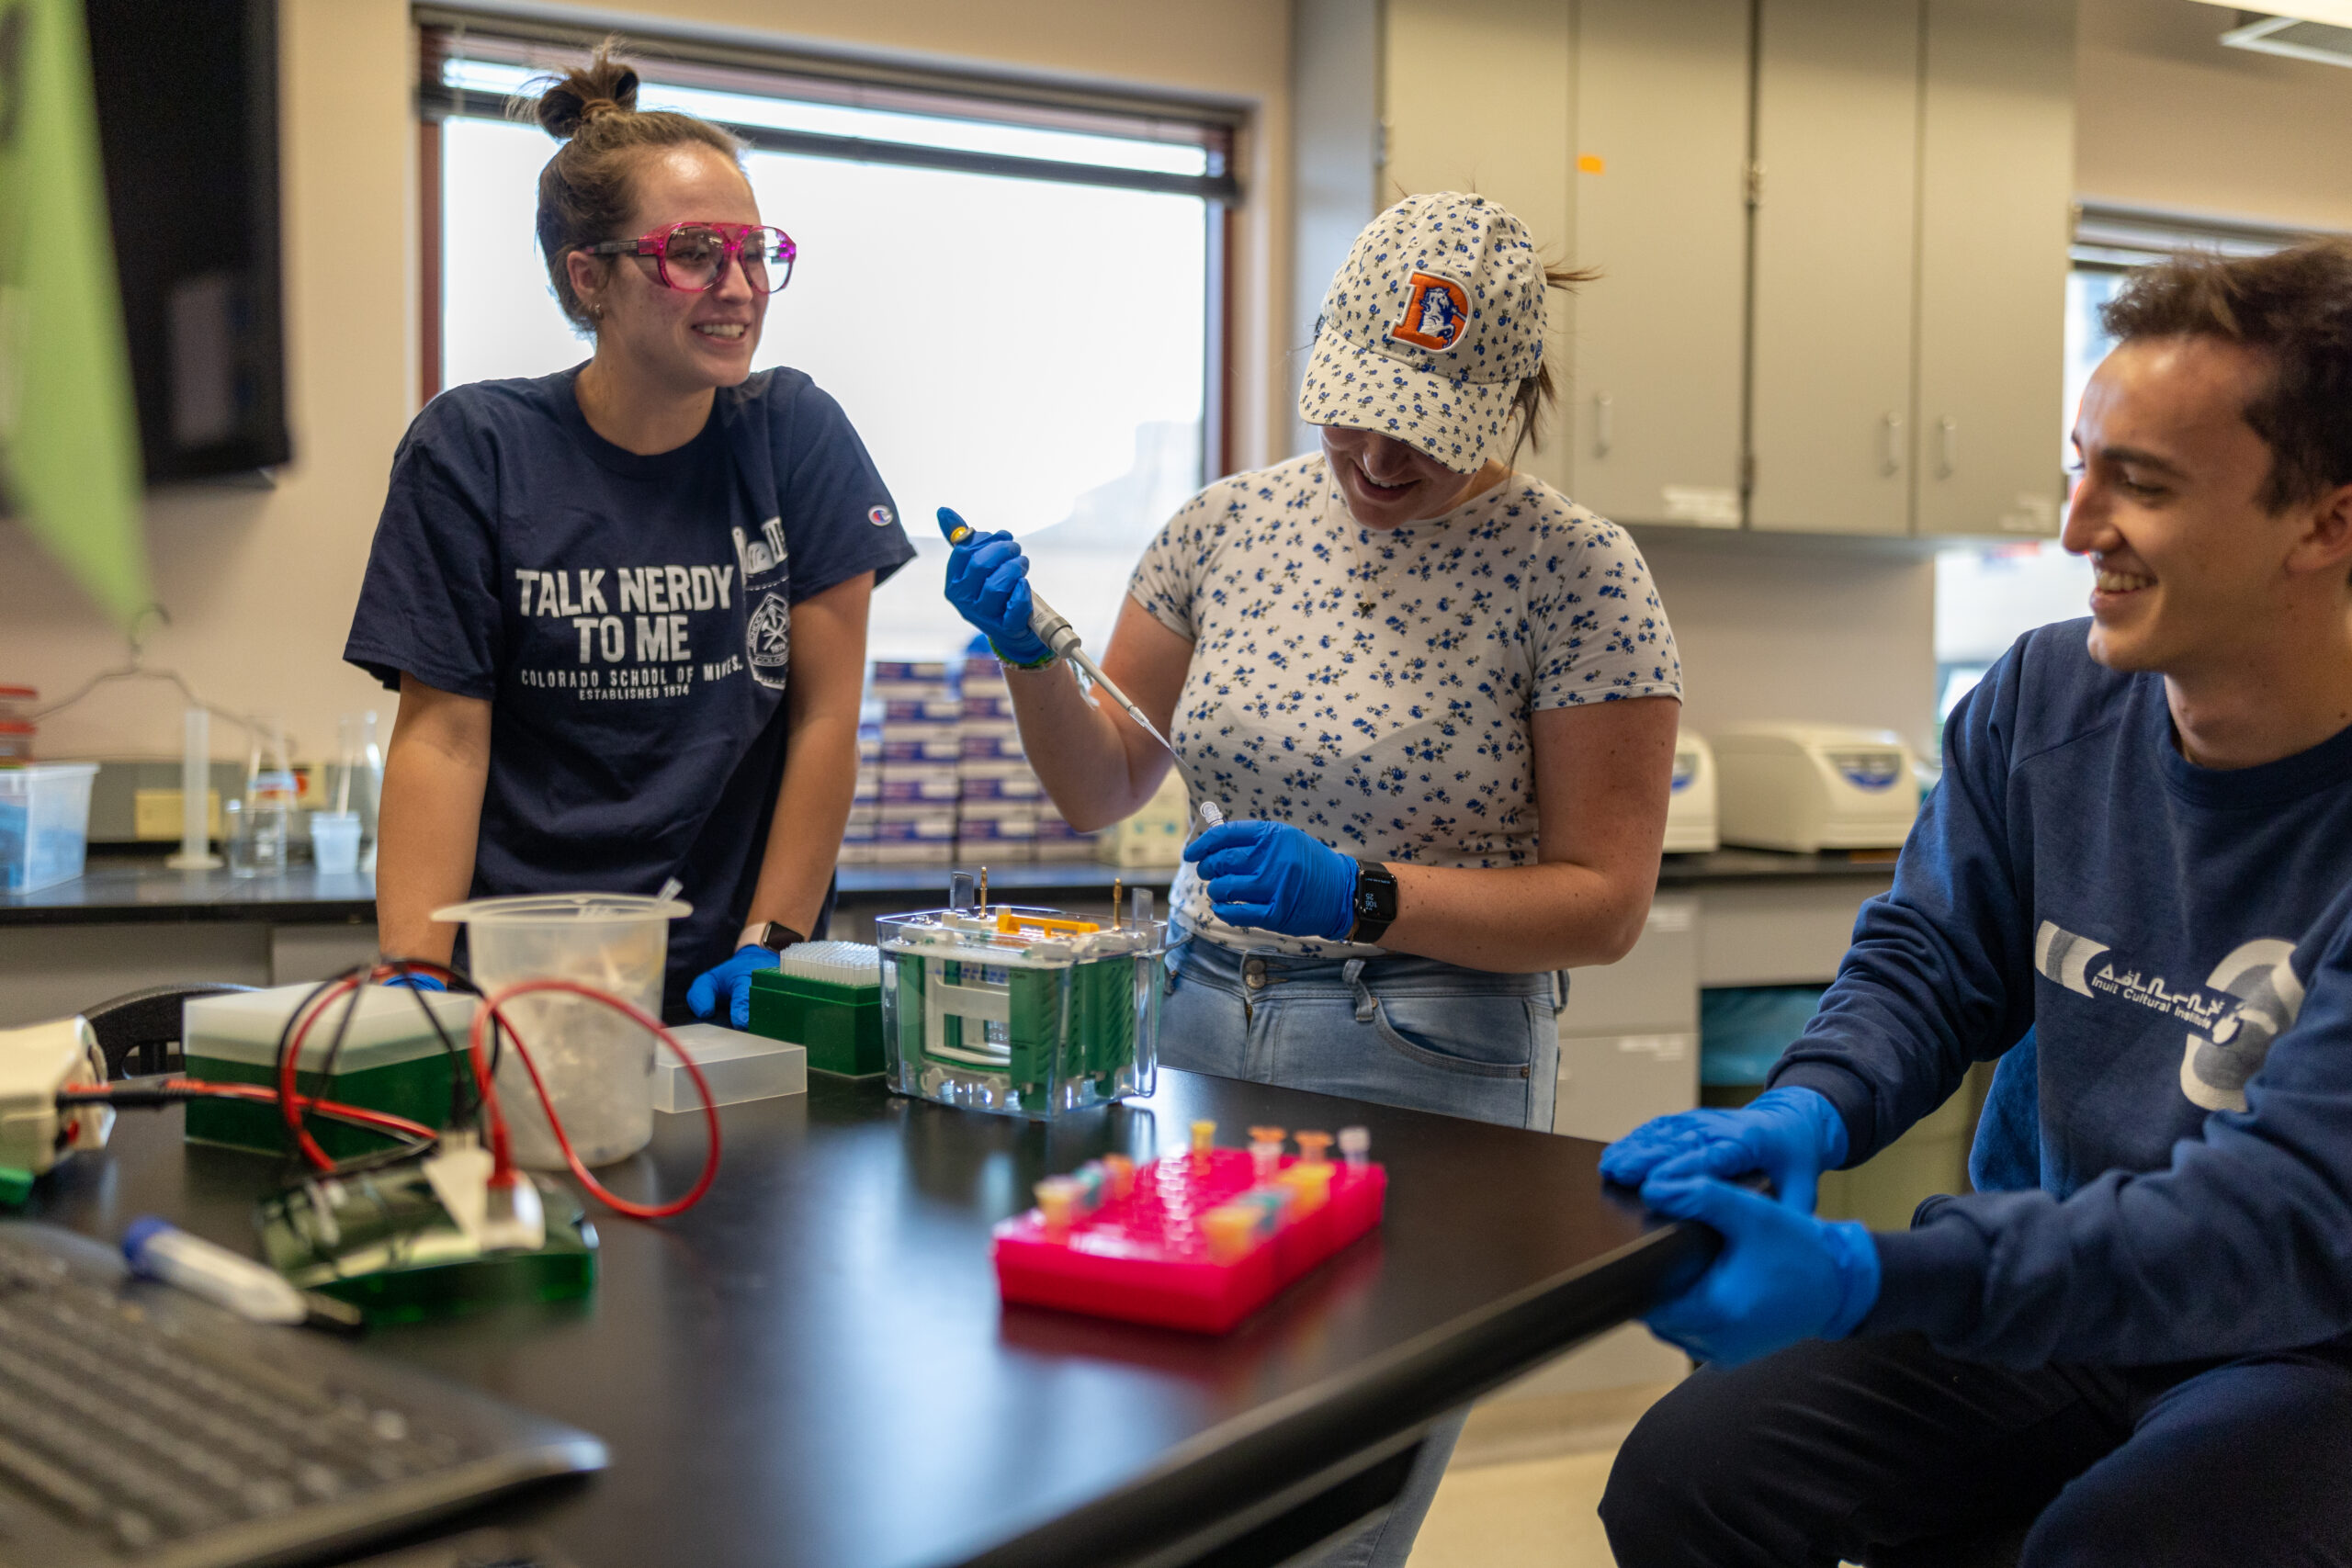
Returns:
<point x="1374" y="902"/>
<point x="769" y="933"/>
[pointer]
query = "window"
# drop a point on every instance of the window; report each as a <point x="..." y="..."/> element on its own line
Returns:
<point x="1988" y="596"/>
<point x="1017" y="303"/>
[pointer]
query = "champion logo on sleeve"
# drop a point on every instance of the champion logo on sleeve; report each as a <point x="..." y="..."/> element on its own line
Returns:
<point x="880" y="516"/>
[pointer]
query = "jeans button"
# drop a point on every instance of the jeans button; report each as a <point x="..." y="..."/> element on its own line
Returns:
<point x="1253" y="973"/>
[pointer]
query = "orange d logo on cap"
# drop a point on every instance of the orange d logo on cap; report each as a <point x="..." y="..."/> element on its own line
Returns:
<point x="1434" y="315"/>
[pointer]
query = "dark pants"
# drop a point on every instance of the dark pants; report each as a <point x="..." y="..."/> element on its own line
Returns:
<point x="1880" y="1450"/>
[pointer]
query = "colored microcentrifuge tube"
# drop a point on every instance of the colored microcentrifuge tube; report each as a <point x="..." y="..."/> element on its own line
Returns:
<point x="1310" y="1183"/>
<point x="1093" y="1181"/>
<point x="1203" y="1139"/>
<point x="1314" y="1147"/>
<point x="1121" y="1173"/>
<point x="1355" y="1144"/>
<point x="1265" y="1151"/>
<point x="1274" y="1206"/>
<point x="1212" y="813"/>
<point x="1230" y="1229"/>
<point x="1058" y="1199"/>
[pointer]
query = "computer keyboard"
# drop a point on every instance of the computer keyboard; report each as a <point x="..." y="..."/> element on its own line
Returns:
<point x="140" y="1426"/>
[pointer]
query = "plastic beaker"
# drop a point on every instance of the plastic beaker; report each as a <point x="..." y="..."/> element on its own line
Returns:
<point x="597" y="1065"/>
<point x="335" y="840"/>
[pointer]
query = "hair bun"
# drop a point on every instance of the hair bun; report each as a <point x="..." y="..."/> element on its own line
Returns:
<point x="604" y="85"/>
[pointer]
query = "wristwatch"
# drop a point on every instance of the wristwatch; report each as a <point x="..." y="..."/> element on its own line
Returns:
<point x="769" y="933"/>
<point x="1376" y="901"/>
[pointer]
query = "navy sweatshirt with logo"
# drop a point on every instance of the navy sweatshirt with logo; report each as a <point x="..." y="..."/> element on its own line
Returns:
<point x="2160" y="956"/>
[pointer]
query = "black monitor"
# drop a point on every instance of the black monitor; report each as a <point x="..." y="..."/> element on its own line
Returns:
<point x="187" y="119"/>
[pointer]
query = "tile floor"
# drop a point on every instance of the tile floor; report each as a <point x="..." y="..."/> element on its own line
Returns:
<point x="1519" y="1514"/>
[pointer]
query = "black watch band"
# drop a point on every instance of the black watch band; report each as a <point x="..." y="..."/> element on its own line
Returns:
<point x="777" y="935"/>
<point x="1375" y="902"/>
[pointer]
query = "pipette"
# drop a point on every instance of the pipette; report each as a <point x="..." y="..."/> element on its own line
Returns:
<point x="1059" y="637"/>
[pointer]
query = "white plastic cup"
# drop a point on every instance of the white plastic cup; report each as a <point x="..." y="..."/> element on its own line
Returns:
<point x="335" y="840"/>
<point x="596" y="1063"/>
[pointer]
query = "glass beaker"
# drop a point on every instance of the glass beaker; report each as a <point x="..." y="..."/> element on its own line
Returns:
<point x="597" y="1064"/>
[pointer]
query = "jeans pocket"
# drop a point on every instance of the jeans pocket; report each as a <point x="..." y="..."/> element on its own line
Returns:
<point x="1482" y="1035"/>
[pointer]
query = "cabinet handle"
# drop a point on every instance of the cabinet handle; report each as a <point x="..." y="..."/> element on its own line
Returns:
<point x="1890" y="450"/>
<point x="1604" y="423"/>
<point x="1947" y="447"/>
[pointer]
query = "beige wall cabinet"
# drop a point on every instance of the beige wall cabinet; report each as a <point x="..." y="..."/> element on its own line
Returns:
<point x="1836" y="149"/>
<point x="1996" y="180"/>
<point x="1475" y="97"/>
<point x="1653" y="399"/>
<point x="1839" y="224"/>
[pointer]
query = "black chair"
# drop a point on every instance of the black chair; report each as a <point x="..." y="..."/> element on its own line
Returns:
<point x="139" y="1031"/>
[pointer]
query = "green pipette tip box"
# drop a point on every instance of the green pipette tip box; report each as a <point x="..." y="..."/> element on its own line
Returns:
<point x="839" y="1023"/>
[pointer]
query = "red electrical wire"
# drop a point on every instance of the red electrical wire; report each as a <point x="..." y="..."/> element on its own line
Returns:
<point x="291" y="1103"/>
<point x="491" y="1009"/>
<point x="381" y="1121"/>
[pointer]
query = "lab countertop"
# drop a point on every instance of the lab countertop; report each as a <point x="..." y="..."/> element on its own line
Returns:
<point x="140" y="889"/>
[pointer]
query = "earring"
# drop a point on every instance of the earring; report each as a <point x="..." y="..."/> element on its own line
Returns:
<point x="597" y="311"/>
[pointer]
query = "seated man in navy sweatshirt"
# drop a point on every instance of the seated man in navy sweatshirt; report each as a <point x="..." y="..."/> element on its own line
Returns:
<point x="2133" y="888"/>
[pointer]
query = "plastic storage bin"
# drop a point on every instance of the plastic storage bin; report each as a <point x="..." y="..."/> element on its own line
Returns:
<point x="44" y="824"/>
<point x="391" y="1060"/>
<point x="1018" y="1010"/>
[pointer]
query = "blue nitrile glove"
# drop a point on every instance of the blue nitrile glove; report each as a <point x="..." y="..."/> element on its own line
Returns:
<point x="417" y="981"/>
<point x="1791" y="1134"/>
<point x="732" y="980"/>
<point x="988" y="582"/>
<point x="1781" y="1276"/>
<point x="1277" y="878"/>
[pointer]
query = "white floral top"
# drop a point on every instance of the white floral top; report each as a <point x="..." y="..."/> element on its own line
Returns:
<point x="1375" y="688"/>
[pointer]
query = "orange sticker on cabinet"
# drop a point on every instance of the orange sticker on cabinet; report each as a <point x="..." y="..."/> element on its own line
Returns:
<point x="1591" y="163"/>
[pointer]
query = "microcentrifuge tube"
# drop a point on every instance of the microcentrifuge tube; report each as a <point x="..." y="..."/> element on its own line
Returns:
<point x="1203" y="1139"/>
<point x="1056" y="1203"/>
<point x="1355" y="1144"/>
<point x="1315" y="1148"/>
<point x="1120" y="1171"/>
<point x="1266" y="1152"/>
<point x="1229" y="1228"/>
<point x="1211" y="815"/>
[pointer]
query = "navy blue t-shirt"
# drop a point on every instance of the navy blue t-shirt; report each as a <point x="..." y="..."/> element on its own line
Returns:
<point x="2160" y="956"/>
<point x="630" y="618"/>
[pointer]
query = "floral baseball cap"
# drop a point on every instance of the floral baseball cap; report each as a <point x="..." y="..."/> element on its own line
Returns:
<point x="1429" y="328"/>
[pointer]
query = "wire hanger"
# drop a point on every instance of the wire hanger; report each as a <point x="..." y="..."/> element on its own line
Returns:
<point x="136" y="668"/>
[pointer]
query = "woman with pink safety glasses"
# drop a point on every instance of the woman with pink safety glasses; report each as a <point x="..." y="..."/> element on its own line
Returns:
<point x="625" y="605"/>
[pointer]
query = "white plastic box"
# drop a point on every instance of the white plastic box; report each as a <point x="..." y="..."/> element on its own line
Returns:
<point x="44" y="824"/>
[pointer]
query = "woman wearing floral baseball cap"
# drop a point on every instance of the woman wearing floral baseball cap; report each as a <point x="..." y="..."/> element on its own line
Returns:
<point x="1434" y="699"/>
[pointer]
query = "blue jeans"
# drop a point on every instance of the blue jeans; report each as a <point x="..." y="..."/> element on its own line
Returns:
<point x="1395" y="1030"/>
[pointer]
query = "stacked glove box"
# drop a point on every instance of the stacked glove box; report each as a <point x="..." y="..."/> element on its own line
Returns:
<point x="920" y="723"/>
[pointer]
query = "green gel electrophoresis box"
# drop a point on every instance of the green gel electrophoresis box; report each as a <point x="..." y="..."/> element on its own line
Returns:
<point x="390" y="1061"/>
